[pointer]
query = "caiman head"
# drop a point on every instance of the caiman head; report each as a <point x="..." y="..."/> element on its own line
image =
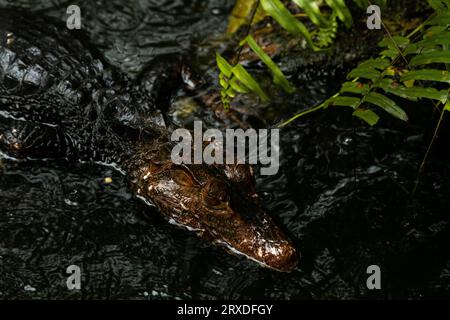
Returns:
<point x="218" y="201"/>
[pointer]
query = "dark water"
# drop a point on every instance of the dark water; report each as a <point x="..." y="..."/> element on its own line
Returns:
<point x="342" y="193"/>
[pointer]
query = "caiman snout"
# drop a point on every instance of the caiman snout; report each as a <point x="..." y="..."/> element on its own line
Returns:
<point x="279" y="255"/>
<point x="257" y="236"/>
<point x="218" y="201"/>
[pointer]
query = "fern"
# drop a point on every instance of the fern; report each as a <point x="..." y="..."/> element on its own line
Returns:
<point x="405" y="69"/>
<point x="325" y="36"/>
<point x="236" y="80"/>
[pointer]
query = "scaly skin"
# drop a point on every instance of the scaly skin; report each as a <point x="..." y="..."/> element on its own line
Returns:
<point x="59" y="98"/>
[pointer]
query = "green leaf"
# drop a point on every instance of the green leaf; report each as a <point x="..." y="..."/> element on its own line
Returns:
<point x="447" y="106"/>
<point x="387" y="104"/>
<point x="390" y="53"/>
<point x="230" y="87"/>
<point x="355" y="87"/>
<point x="325" y="36"/>
<point x="394" y="42"/>
<point x="367" y="69"/>
<point x="312" y="10"/>
<point x="245" y="78"/>
<point x="443" y="18"/>
<point x="393" y="45"/>
<point x="442" y="38"/>
<point x="365" y="73"/>
<point x="437" y="5"/>
<point x="412" y="93"/>
<point x="237" y="86"/>
<point x="378" y="63"/>
<point x="435" y="30"/>
<point x="367" y="115"/>
<point x="426" y="75"/>
<point x="343" y="101"/>
<point x="341" y="10"/>
<point x="278" y="76"/>
<point x="416" y="50"/>
<point x="223" y="81"/>
<point x="431" y="57"/>
<point x="411" y="49"/>
<point x="223" y="65"/>
<point x="230" y="92"/>
<point x="288" y="21"/>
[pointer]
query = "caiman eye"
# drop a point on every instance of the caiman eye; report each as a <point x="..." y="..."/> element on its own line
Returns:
<point x="182" y="178"/>
<point x="211" y="201"/>
<point x="217" y="192"/>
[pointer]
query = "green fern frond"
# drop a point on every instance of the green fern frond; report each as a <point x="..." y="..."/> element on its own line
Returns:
<point x="235" y="79"/>
<point x="410" y="71"/>
<point x="324" y="37"/>
<point x="278" y="77"/>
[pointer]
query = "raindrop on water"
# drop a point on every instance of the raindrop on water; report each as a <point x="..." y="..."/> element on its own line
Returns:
<point x="29" y="288"/>
<point x="216" y="11"/>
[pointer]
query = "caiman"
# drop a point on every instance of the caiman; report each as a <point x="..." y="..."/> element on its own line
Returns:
<point x="60" y="98"/>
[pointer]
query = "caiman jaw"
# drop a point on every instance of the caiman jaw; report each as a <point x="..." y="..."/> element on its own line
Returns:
<point x="252" y="232"/>
<point x="218" y="200"/>
<point x="280" y="256"/>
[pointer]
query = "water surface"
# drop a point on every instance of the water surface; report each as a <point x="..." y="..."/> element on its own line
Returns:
<point x="342" y="193"/>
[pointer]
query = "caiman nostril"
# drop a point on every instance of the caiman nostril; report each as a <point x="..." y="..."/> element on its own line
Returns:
<point x="291" y="259"/>
<point x="282" y="257"/>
